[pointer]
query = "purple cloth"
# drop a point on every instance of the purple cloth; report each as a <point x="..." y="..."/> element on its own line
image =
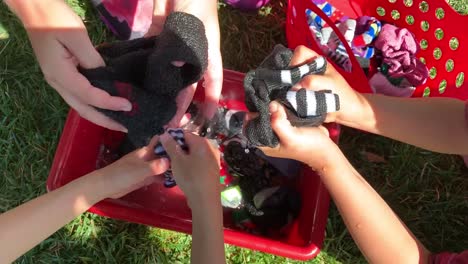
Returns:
<point x="362" y="24"/>
<point x="247" y="5"/>
<point x="381" y="85"/>
<point x="398" y="47"/>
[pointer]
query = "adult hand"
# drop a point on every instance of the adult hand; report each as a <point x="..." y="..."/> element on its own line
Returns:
<point x="133" y="171"/>
<point x="61" y="43"/>
<point x="196" y="172"/>
<point x="206" y="11"/>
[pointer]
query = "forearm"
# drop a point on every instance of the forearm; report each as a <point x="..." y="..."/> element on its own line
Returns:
<point x="436" y="124"/>
<point x="376" y="229"/>
<point x="207" y="233"/>
<point x="27" y="10"/>
<point x="193" y="7"/>
<point x="27" y="225"/>
<point x="41" y="15"/>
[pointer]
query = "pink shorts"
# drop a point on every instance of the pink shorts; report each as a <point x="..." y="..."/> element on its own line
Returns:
<point x="449" y="258"/>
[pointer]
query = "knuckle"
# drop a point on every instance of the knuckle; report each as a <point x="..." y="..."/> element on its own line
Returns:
<point x="50" y="78"/>
<point x="309" y="82"/>
<point x="301" y="49"/>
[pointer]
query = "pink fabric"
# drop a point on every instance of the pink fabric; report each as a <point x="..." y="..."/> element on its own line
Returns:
<point x="399" y="47"/>
<point x="138" y="14"/>
<point x="450" y="258"/>
<point x="381" y="85"/>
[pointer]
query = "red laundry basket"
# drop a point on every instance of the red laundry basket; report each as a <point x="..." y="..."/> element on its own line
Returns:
<point x="439" y="29"/>
<point x="77" y="155"/>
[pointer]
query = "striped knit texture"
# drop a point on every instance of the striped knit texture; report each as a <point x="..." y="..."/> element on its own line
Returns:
<point x="273" y="81"/>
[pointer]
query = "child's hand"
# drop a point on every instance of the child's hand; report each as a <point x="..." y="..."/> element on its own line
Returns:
<point x="310" y="145"/>
<point x="131" y="172"/>
<point x="351" y="102"/>
<point x="196" y="172"/>
<point x="60" y="42"/>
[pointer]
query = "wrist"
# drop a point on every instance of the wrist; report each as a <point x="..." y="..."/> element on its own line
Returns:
<point x="95" y="187"/>
<point x="204" y="202"/>
<point x="331" y="155"/>
<point x="195" y="8"/>
<point x="355" y="114"/>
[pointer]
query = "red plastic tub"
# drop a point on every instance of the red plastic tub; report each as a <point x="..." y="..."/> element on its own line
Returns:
<point x="77" y="155"/>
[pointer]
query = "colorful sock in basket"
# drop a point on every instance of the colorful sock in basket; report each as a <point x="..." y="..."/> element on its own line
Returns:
<point x="322" y="37"/>
<point x="367" y="29"/>
<point x="359" y="34"/>
<point x="347" y="29"/>
<point x="339" y="59"/>
<point x="333" y="13"/>
<point x="271" y="81"/>
<point x="141" y="70"/>
<point x="178" y="136"/>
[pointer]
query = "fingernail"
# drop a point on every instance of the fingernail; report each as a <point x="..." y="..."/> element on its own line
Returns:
<point x="124" y="129"/>
<point x="164" y="162"/>
<point x="178" y="63"/>
<point x="164" y="137"/>
<point x="273" y="107"/>
<point x="127" y="107"/>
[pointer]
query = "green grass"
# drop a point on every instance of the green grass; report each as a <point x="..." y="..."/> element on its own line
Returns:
<point x="427" y="190"/>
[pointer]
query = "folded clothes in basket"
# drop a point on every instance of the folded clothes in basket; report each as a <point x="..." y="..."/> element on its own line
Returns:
<point x="142" y="71"/>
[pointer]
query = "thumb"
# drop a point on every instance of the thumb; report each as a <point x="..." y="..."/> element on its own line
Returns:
<point x="160" y="11"/>
<point x="213" y="84"/>
<point x="279" y="121"/>
<point x="171" y="147"/>
<point x="79" y="44"/>
<point x="159" y="166"/>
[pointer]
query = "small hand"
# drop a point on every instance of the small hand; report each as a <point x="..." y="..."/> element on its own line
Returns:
<point x="196" y="172"/>
<point x="61" y="43"/>
<point x="310" y="145"/>
<point x="133" y="171"/>
<point x="351" y="102"/>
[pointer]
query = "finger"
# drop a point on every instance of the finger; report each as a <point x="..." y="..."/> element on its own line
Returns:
<point x="183" y="100"/>
<point x="74" y="82"/>
<point x="150" y="180"/>
<point x="147" y="152"/>
<point x="78" y="43"/>
<point x="159" y="166"/>
<point x="279" y="122"/>
<point x="201" y="145"/>
<point x="160" y="12"/>
<point x="213" y="83"/>
<point x="89" y="113"/>
<point x="172" y="148"/>
<point x="313" y="82"/>
<point x="302" y="55"/>
<point x="184" y="121"/>
<point x="324" y="130"/>
<point x="153" y="142"/>
<point x="249" y="116"/>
